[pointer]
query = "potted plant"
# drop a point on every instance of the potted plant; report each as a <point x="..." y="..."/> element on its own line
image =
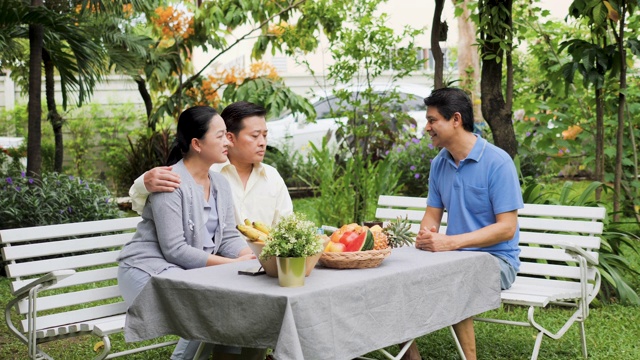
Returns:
<point x="291" y="241"/>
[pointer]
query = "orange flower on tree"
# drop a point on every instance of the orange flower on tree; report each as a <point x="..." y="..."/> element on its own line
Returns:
<point x="278" y="29"/>
<point x="206" y="94"/>
<point x="208" y="91"/>
<point x="173" y="23"/>
<point x="262" y="69"/>
<point x="572" y="132"/>
<point x="127" y="9"/>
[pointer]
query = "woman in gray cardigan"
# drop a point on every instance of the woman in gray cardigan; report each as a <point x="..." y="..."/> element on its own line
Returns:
<point x="193" y="226"/>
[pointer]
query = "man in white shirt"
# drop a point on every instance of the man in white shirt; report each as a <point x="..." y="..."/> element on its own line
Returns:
<point x="259" y="192"/>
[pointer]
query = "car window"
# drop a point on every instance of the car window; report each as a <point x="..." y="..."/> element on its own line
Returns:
<point x="324" y="106"/>
<point x="331" y="107"/>
<point x="412" y="102"/>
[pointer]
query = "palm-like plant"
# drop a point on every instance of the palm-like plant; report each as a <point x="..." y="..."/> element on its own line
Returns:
<point x="80" y="42"/>
<point x="65" y="47"/>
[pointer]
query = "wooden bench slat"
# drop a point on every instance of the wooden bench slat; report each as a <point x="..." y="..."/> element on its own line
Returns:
<point x="77" y="316"/>
<point x="71" y="299"/>
<point x="402" y="201"/>
<point x="526" y="223"/>
<point x="79" y="278"/>
<point x="528" y="300"/>
<point x="528" y="253"/>
<point x="548" y="291"/>
<point x="105" y="326"/>
<point x="561" y="225"/>
<point x="65" y="246"/>
<point x="585" y="242"/>
<point x="564" y="211"/>
<point x="555" y="271"/>
<point x="9" y="236"/>
<point x="68" y="262"/>
<point x="110" y="325"/>
<point x="553" y="283"/>
<point x="392" y="214"/>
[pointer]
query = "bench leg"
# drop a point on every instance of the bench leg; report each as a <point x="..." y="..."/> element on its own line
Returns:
<point x="106" y="350"/>
<point x="583" y="338"/>
<point x="536" y="347"/>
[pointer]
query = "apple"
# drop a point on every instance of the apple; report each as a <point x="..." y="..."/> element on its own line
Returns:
<point x="334" y="247"/>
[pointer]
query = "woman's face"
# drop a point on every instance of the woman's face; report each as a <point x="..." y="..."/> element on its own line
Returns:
<point x="213" y="146"/>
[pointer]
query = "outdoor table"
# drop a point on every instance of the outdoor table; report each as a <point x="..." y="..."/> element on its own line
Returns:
<point x="337" y="314"/>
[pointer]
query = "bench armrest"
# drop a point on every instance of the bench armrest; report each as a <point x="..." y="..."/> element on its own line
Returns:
<point x="46" y="281"/>
<point x="576" y="250"/>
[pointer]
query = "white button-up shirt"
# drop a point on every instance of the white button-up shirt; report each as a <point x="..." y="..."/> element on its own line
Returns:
<point x="265" y="198"/>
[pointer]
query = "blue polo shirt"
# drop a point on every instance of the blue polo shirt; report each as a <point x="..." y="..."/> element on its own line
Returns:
<point x="481" y="186"/>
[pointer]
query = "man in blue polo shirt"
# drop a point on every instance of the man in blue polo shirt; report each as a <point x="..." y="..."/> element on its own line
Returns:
<point x="477" y="183"/>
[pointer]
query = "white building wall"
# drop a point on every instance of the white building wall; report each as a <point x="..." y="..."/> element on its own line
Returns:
<point x="117" y="89"/>
<point x="114" y="89"/>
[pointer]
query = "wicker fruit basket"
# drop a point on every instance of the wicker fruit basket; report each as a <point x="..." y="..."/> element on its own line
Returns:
<point x="354" y="260"/>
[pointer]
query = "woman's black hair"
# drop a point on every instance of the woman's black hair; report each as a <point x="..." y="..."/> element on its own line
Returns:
<point x="193" y="123"/>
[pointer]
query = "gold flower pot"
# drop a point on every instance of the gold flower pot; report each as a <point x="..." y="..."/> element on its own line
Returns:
<point x="291" y="271"/>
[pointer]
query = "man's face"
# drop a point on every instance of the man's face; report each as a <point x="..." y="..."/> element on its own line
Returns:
<point x="249" y="146"/>
<point x="438" y="127"/>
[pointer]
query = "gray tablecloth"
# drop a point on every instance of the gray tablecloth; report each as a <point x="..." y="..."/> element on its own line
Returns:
<point x="337" y="314"/>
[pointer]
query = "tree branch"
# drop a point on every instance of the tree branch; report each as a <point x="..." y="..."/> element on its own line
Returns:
<point x="193" y="77"/>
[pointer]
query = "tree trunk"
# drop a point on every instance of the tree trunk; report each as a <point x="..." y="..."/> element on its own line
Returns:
<point x="599" y="139"/>
<point x="509" y="56"/>
<point x="617" y="183"/>
<point x="436" y="51"/>
<point x="52" y="115"/>
<point x="146" y="97"/>
<point x="494" y="108"/>
<point x="34" y="137"/>
<point x="468" y="59"/>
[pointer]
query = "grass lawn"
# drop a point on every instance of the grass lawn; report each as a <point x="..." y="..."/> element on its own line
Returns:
<point x="612" y="332"/>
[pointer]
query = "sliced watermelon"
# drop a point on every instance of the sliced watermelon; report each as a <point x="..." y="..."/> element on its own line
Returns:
<point x="357" y="241"/>
<point x="368" y="242"/>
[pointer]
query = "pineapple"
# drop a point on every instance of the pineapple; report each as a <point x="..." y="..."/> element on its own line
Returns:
<point x="399" y="233"/>
<point x="380" y="241"/>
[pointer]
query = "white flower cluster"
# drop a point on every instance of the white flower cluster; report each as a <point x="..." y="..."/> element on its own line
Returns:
<point x="293" y="236"/>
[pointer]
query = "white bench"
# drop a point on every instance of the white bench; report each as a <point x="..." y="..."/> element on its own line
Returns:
<point x="559" y="254"/>
<point x="76" y="265"/>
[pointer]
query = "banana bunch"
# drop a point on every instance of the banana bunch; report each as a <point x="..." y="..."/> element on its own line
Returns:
<point x="254" y="231"/>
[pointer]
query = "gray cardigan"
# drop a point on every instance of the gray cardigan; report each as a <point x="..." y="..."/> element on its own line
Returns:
<point x="173" y="227"/>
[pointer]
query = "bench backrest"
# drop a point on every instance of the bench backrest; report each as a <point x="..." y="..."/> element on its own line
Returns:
<point x="90" y="248"/>
<point x="542" y="228"/>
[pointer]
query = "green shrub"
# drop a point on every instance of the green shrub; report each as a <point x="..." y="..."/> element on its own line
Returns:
<point x="413" y="160"/>
<point x="349" y="189"/>
<point x="145" y="150"/>
<point x="290" y="165"/>
<point x="54" y="199"/>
